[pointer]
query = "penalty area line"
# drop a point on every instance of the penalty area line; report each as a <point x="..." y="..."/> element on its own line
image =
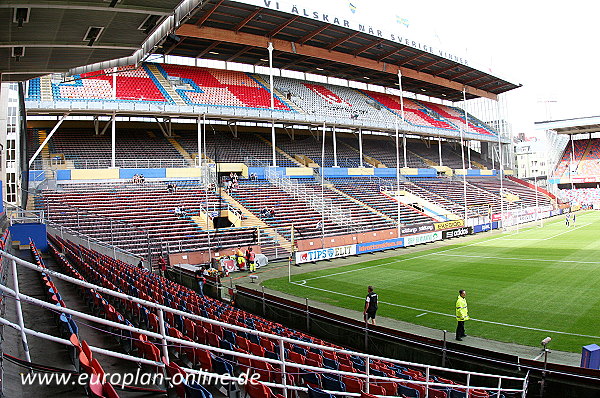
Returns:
<point x="452" y="316"/>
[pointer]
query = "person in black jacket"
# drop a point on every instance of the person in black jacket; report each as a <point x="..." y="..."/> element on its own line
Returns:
<point x="370" y="305"/>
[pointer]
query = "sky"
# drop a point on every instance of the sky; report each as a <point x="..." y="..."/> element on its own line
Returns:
<point x="547" y="46"/>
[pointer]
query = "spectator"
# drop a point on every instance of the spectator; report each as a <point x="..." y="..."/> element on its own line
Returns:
<point x="250" y="257"/>
<point x="272" y="212"/>
<point x="201" y="281"/>
<point x="162" y="266"/>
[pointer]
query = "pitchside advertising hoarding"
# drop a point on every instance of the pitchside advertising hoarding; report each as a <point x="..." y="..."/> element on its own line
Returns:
<point x="457" y="232"/>
<point x="417" y="229"/>
<point x="422" y="238"/>
<point x="379" y="246"/>
<point x="325" y="254"/>
<point x="449" y="224"/>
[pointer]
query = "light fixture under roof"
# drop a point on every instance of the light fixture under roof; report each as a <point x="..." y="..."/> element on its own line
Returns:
<point x="213" y="52"/>
<point x="366" y="77"/>
<point x="423" y="90"/>
<point x="443" y="95"/>
<point x="264" y="60"/>
<point x="320" y="68"/>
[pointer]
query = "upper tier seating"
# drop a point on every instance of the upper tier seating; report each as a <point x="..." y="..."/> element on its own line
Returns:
<point x="202" y="86"/>
<point x="584" y="196"/>
<point x="590" y="161"/>
<point x="574" y="152"/>
<point x="415" y="113"/>
<point x="132" y="84"/>
<point x="170" y="84"/>
<point x="457" y="117"/>
<point x="329" y="100"/>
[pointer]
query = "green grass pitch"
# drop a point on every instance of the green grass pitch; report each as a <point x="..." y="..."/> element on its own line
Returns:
<point x="521" y="286"/>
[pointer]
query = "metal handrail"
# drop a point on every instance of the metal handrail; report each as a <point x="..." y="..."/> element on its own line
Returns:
<point x="281" y="339"/>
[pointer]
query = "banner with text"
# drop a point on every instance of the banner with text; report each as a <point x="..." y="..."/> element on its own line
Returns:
<point x="449" y="224"/>
<point x="325" y="254"/>
<point x="422" y="238"/>
<point x="417" y="229"/>
<point x="455" y="233"/>
<point x="379" y="245"/>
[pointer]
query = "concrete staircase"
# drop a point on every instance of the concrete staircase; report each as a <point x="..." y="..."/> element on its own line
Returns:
<point x="279" y="94"/>
<point x="46" y="88"/>
<point x="250" y="220"/>
<point x="185" y="154"/>
<point x="166" y="85"/>
<point x="279" y="150"/>
<point x="358" y="202"/>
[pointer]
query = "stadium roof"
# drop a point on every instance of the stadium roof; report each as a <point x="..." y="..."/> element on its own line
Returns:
<point x="580" y="125"/>
<point x="239" y="32"/>
<point x="60" y="36"/>
<point x="41" y="37"/>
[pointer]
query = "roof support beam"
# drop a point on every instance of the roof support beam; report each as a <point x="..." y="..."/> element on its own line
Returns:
<point x="341" y="40"/>
<point x="56" y="126"/>
<point x="282" y="26"/>
<point x="209" y="13"/>
<point x="324" y="54"/>
<point x="427" y="65"/>
<point x="207" y="49"/>
<point x="312" y="34"/>
<point x="237" y="54"/>
<point x="247" y="19"/>
<point x="366" y="47"/>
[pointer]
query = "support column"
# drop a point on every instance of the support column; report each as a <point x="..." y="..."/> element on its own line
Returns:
<point x="402" y="116"/>
<point x="469" y="153"/>
<point x="572" y="162"/>
<point x="113" y="141"/>
<point x="270" y="48"/>
<point x="462" y="150"/>
<point x="440" y="148"/>
<point x="404" y="145"/>
<point x="398" y="173"/>
<point x="323" y="190"/>
<point x="199" y="156"/>
<point x="360" y="148"/>
<point x="335" y="162"/>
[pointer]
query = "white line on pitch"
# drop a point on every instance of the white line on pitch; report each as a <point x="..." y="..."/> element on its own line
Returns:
<point x="449" y="315"/>
<point x="421" y="315"/>
<point x="520" y="258"/>
<point x="402" y="259"/>
<point x="567" y="231"/>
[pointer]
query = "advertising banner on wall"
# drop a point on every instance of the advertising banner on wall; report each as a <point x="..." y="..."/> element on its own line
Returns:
<point x="455" y="233"/>
<point x="379" y="245"/>
<point x="449" y="224"/>
<point x="325" y="254"/>
<point x="422" y="238"/>
<point x="417" y="229"/>
<point x="485" y="227"/>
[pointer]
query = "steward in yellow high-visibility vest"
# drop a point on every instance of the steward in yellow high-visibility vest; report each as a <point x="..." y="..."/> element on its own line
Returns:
<point x="462" y="314"/>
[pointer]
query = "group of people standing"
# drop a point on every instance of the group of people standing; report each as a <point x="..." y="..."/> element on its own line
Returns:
<point x="462" y="311"/>
<point x="246" y="259"/>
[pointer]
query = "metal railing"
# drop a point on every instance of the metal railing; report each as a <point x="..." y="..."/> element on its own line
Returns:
<point x="142" y="108"/>
<point x="324" y="206"/>
<point x="59" y="163"/>
<point x="518" y="384"/>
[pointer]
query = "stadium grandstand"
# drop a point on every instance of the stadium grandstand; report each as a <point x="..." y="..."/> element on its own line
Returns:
<point x="156" y="152"/>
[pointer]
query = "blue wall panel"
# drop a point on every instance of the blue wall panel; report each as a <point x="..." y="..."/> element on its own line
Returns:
<point x="63" y="174"/>
<point x="37" y="232"/>
<point x="147" y="173"/>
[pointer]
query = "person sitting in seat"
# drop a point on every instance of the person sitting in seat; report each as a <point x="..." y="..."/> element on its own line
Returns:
<point x="178" y="211"/>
